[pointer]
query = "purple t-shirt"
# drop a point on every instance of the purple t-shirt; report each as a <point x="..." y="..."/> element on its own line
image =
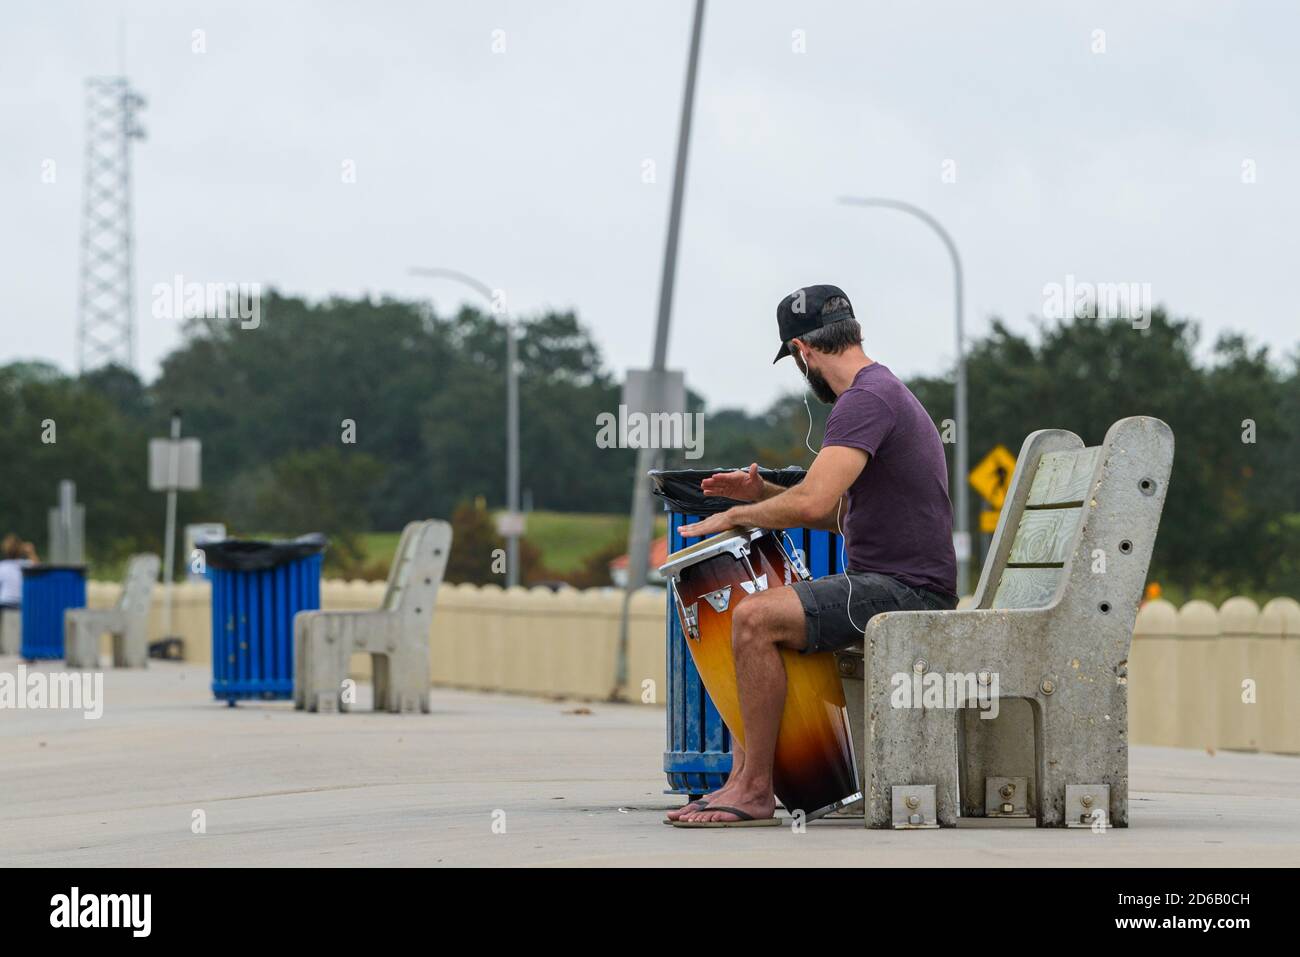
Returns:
<point x="899" y="520"/>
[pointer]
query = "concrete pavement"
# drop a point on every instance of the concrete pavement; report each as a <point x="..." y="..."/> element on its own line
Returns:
<point x="504" y="780"/>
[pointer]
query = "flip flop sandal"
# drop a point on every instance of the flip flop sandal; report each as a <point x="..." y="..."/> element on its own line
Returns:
<point x="699" y="805"/>
<point x="746" y="820"/>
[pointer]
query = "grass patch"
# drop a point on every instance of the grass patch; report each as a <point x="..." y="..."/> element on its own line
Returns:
<point x="566" y="539"/>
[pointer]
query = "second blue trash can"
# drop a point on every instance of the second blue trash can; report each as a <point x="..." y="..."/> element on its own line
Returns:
<point x="49" y="591"/>
<point x="257" y="588"/>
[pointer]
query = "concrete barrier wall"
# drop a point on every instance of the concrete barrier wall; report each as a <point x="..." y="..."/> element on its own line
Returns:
<point x="1198" y="639"/>
<point x="1225" y="678"/>
<point x="1279" y="630"/>
<point x="537" y="641"/>
<point x="531" y="641"/>
<point x="1154" y="688"/>
<point x="1199" y="677"/>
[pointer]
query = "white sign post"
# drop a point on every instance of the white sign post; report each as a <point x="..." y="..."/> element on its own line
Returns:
<point x="174" y="465"/>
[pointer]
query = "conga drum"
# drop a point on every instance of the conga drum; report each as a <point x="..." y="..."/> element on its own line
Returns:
<point x="814" y="769"/>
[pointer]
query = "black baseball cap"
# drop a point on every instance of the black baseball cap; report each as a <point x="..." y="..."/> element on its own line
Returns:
<point x="801" y="312"/>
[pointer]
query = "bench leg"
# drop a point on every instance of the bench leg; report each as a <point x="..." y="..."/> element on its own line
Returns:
<point x="909" y="746"/>
<point x="381" y="667"/>
<point x="131" y="646"/>
<point x="80" y="643"/>
<point x="1092" y="749"/>
<point x="321" y="668"/>
<point x="404" y="688"/>
<point x="412" y="685"/>
<point x="11" y="631"/>
<point x="299" y="663"/>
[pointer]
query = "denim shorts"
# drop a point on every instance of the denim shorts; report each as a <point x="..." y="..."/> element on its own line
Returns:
<point x="837" y="608"/>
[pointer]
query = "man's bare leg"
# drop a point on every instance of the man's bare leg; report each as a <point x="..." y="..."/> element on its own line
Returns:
<point x="761" y="625"/>
<point x="737" y="762"/>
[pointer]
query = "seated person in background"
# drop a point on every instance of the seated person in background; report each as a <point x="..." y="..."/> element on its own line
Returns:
<point x="14" y="554"/>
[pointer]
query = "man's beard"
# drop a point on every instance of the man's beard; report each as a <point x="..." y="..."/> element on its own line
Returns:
<point x="821" y="388"/>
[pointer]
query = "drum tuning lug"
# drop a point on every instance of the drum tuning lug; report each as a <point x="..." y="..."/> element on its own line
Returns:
<point x="692" y="623"/>
<point x="689" y="615"/>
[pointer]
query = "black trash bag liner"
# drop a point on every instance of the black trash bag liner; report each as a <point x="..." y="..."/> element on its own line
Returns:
<point x="680" y="488"/>
<point x="32" y="571"/>
<point x="251" y="555"/>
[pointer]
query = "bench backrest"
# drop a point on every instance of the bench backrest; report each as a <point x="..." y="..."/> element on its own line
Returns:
<point x="138" y="582"/>
<point x="1078" y="524"/>
<point x="418" y="567"/>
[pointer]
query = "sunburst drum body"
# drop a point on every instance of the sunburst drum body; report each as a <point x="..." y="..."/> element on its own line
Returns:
<point x="814" y="769"/>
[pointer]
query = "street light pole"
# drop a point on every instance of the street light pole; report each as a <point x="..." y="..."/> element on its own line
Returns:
<point x="169" y="543"/>
<point x="512" y="408"/>
<point x="961" y="503"/>
<point x="512" y="454"/>
<point x="638" y="553"/>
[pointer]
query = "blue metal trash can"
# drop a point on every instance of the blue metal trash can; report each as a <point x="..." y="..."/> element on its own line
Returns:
<point x="257" y="588"/>
<point x="49" y="591"/>
<point x="698" y="755"/>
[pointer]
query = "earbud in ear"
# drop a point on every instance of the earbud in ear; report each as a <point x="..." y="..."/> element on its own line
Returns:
<point x="803" y="363"/>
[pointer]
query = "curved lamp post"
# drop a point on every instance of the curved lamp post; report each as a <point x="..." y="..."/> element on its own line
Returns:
<point x="512" y="407"/>
<point x="961" y="506"/>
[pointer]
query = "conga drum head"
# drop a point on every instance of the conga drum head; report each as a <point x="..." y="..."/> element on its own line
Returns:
<point x="814" y="770"/>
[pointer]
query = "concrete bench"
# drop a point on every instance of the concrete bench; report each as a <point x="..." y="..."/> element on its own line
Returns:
<point x="11" y="631"/>
<point x="396" y="635"/>
<point x="128" y="623"/>
<point x="1051" y="622"/>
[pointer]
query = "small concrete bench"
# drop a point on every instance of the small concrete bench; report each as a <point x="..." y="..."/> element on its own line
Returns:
<point x="1051" y="620"/>
<point x="396" y="635"/>
<point x="128" y="623"/>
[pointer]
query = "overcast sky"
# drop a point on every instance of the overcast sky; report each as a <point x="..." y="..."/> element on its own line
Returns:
<point x="525" y="167"/>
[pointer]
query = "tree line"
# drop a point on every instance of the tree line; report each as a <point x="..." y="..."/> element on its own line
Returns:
<point x="348" y="415"/>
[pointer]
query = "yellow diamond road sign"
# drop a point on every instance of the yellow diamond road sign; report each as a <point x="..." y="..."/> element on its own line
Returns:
<point x="992" y="477"/>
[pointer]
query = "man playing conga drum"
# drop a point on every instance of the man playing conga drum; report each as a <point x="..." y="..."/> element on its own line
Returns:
<point x="880" y="478"/>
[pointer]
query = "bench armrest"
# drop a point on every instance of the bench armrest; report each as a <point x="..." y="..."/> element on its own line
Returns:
<point x="966" y="641"/>
<point x="962" y="624"/>
<point x="330" y="619"/>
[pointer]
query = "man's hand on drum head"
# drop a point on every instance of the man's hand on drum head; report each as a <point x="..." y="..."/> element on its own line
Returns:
<point x="722" y="522"/>
<point x="742" y="485"/>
